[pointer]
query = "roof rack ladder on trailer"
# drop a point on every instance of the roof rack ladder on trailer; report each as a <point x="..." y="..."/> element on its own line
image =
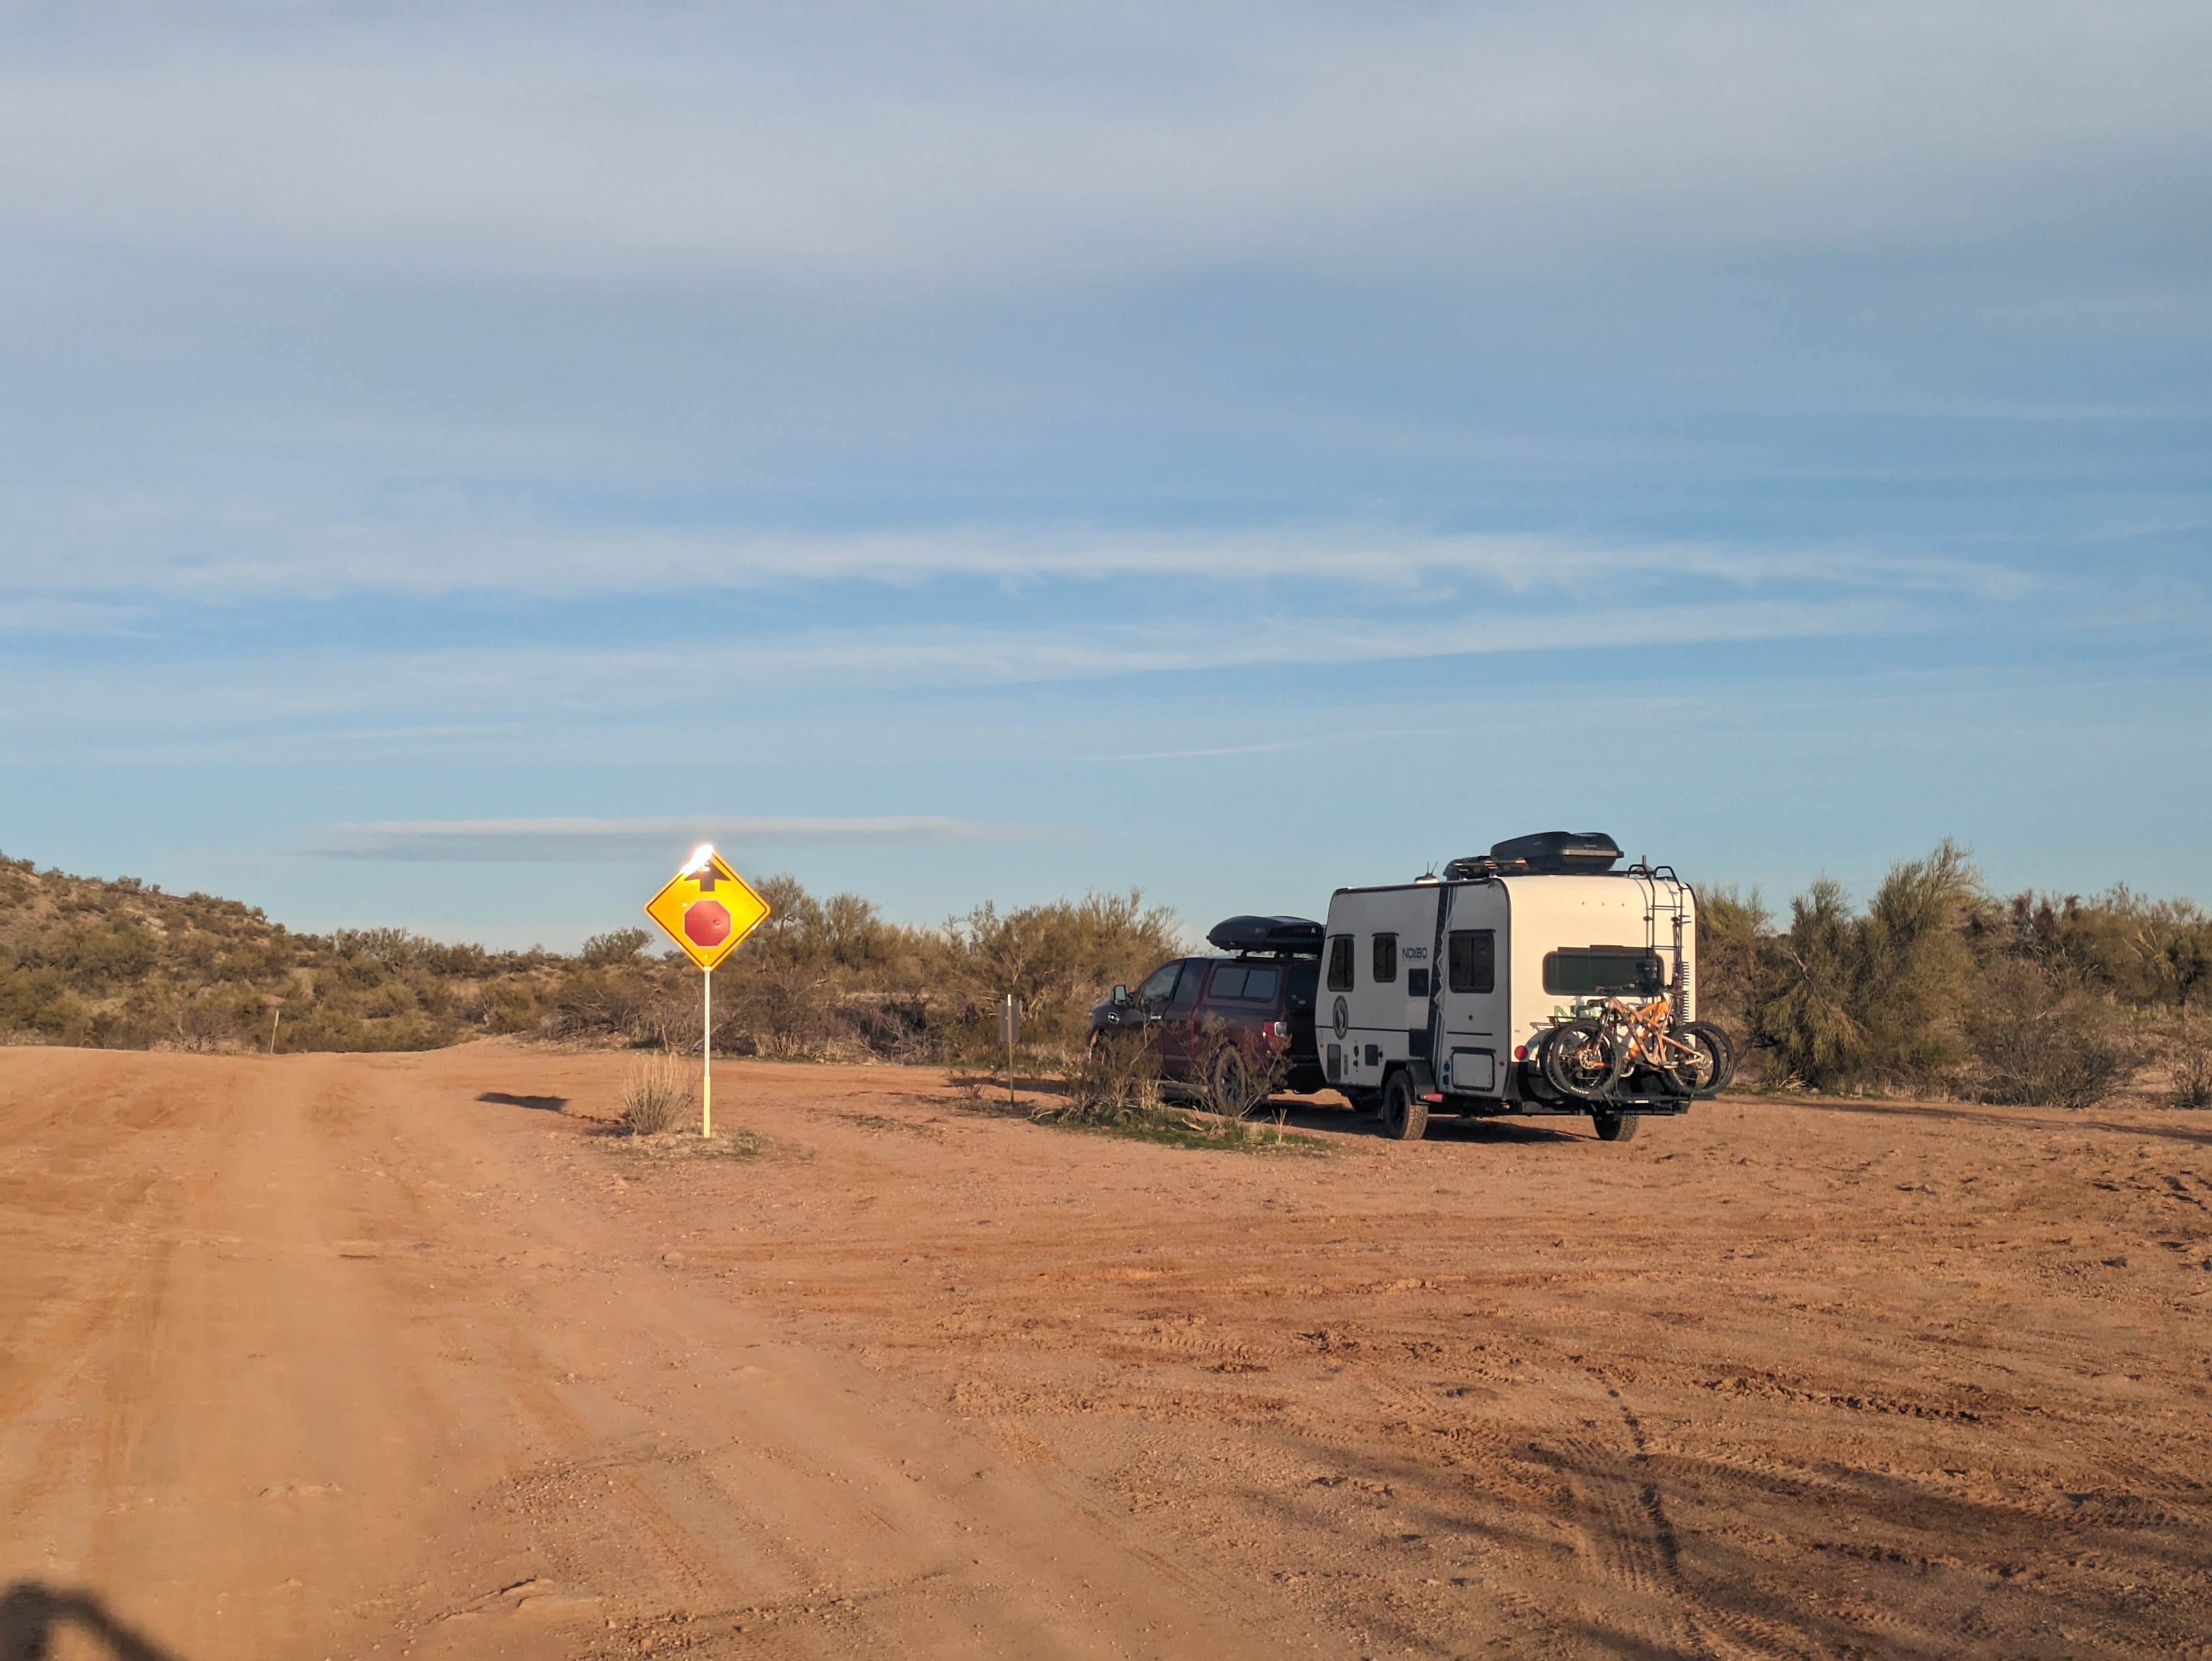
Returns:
<point x="1663" y="897"/>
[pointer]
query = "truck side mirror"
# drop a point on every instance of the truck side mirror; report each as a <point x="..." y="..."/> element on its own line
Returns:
<point x="1121" y="994"/>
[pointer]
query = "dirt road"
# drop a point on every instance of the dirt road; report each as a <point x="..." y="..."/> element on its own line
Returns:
<point x="343" y="1356"/>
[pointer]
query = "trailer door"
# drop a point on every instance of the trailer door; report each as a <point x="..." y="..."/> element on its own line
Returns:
<point x="1477" y="1040"/>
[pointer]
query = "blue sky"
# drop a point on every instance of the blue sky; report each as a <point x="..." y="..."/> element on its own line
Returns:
<point x="451" y="457"/>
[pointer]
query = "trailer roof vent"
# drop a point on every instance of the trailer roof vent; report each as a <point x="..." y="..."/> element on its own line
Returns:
<point x="1547" y="852"/>
<point x="1286" y="937"/>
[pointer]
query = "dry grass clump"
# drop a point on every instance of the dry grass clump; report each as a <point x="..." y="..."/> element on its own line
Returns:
<point x="2192" y="1078"/>
<point x="657" y="1095"/>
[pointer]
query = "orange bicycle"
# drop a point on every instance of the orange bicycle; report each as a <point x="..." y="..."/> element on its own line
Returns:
<point x="1615" y="1047"/>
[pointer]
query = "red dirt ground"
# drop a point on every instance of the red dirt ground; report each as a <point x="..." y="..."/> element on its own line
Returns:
<point x="355" y="1355"/>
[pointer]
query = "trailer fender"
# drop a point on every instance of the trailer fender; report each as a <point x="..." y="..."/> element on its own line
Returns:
<point x="1422" y="1077"/>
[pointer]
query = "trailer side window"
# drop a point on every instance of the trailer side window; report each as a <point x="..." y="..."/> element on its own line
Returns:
<point x="1473" y="964"/>
<point x="1386" y="959"/>
<point x="1340" y="964"/>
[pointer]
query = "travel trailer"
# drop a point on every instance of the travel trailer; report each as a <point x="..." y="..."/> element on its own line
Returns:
<point x="1534" y="979"/>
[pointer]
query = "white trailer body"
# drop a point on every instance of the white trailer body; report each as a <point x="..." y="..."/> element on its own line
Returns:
<point x="1454" y="981"/>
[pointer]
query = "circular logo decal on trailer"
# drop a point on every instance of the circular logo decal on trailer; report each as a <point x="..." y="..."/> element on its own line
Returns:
<point x="1343" y="1022"/>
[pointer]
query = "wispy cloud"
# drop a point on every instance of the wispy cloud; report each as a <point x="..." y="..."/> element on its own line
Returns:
<point x="581" y="841"/>
<point x="66" y="555"/>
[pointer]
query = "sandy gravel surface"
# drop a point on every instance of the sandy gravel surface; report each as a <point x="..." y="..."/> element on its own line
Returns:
<point x="354" y="1356"/>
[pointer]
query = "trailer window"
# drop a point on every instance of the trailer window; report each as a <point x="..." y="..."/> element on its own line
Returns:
<point x="1340" y="964"/>
<point x="1471" y="964"/>
<point x="1597" y="971"/>
<point x="1386" y="959"/>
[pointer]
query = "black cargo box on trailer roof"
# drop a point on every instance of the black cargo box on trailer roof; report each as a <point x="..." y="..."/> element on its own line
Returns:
<point x="1558" y="853"/>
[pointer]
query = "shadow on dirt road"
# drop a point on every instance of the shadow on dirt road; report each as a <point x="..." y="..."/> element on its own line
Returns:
<point x="34" y="1616"/>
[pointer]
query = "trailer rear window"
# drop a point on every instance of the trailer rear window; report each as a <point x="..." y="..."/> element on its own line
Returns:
<point x="1598" y="972"/>
<point x="1340" y="964"/>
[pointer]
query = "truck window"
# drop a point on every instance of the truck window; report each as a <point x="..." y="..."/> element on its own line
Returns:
<point x="1260" y="982"/>
<point x="1228" y="980"/>
<point x="1340" y="964"/>
<point x="1386" y="959"/>
<point x="1159" y="983"/>
<point x="1193" y="977"/>
<point x="1471" y="964"/>
<point x="1603" y="971"/>
<point x="1302" y="976"/>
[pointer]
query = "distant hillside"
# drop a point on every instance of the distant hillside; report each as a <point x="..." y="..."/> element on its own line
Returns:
<point x="121" y="964"/>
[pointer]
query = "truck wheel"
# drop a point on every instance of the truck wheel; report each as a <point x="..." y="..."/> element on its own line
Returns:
<point x="1231" y="1085"/>
<point x="1614" y="1127"/>
<point x="1405" y="1116"/>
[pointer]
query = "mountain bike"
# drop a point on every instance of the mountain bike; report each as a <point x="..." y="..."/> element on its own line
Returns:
<point x="1614" y="1047"/>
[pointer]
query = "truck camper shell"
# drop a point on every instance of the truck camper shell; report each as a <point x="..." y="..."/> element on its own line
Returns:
<point x="1456" y="982"/>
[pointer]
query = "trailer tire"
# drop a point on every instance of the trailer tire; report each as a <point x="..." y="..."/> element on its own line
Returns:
<point x="1404" y="1115"/>
<point x="1614" y="1127"/>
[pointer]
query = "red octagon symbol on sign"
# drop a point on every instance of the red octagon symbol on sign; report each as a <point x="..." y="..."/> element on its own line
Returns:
<point x="706" y="922"/>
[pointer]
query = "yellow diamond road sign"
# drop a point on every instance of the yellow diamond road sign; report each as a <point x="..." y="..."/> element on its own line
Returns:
<point x="706" y="909"/>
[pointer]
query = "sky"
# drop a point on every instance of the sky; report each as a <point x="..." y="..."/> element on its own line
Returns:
<point x="454" y="458"/>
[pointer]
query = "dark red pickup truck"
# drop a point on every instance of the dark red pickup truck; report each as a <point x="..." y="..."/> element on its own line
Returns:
<point x="1262" y="994"/>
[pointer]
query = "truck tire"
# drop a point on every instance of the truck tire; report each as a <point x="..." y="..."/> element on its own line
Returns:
<point x="1405" y="1116"/>
<point x="1231" y="1084"/>
<point x="1614" y="1127"/>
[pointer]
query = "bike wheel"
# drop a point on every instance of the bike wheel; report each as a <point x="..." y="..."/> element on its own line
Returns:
<point x="1576" y="1059"/>
<point x="1716" y="1058"/>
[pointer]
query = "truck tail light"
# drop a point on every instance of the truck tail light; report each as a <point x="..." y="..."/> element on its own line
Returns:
<point x="1276" y="1030"/>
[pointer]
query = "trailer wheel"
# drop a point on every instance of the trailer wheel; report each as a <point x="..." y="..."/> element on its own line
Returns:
<point x="1405" y="1116"/>
<point x="1614" y="1127"/>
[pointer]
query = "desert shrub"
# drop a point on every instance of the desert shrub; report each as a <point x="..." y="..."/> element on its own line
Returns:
<point x="618" y="946"/>
<point x="1731" y="957"/>
<point x="2041" y="1047"/>
<point x="2191" y="1085"/>
<point x="1114" y="1082"/>
<point x="1808" y="1017"/>
<point x="657" y="1096"/>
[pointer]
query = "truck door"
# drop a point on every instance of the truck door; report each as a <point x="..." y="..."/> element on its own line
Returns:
<point x="1477" y="1049"/>
<point x="1178" y="1020"/>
